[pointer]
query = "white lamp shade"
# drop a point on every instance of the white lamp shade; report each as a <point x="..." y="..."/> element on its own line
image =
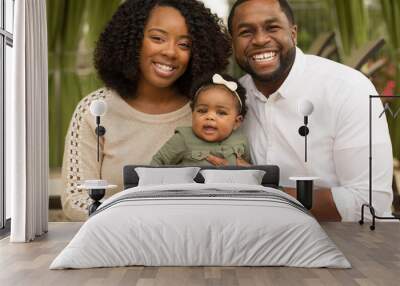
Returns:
<point x="98" y="107"/>
<point x="305" y="107"/>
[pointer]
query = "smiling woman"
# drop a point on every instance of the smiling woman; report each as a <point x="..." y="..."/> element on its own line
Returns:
<point x="164" y="57"/>
<point x="148" y="56"/>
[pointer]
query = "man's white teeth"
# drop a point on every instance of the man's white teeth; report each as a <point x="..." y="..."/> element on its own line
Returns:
<point x="264" y="57"/>
<point x="164" y="67"/>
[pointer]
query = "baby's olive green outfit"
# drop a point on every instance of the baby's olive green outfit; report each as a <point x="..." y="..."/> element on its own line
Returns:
<point x="186" y="149"/>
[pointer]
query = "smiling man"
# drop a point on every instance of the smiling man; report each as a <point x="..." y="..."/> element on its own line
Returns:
<point x="279" y="76"/>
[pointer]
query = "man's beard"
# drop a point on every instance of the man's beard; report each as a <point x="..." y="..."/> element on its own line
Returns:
<point x="286" y="62"/>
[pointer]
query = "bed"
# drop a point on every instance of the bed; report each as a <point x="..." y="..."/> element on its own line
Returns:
<point x="201" y="223"/>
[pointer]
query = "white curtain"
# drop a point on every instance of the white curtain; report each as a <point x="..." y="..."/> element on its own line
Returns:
<point x="27" y="124"/>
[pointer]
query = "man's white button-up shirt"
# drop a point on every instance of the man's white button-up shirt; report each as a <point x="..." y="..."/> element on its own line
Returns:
<point x="338" y="142"/>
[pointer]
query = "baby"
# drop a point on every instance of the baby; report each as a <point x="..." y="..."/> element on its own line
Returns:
<point x="218" y="108"/>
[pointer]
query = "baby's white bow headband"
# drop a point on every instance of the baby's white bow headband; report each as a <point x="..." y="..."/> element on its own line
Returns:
<point x="231" y="85"/>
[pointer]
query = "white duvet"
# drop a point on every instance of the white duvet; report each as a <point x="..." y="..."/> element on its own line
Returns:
<point x="204" y="231"/>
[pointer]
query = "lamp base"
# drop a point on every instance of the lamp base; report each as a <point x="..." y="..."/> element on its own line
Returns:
<point x="396" y="216"/>
<point x="305" y="193"/>
<point x="96" y="195"/>
<point x="96" y="190"/>
<point x="304" y="188"/>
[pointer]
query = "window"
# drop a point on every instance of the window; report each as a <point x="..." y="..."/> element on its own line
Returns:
<point x="6" y="63"/>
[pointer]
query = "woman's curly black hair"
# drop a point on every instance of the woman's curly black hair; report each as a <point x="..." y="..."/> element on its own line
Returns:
<point x="207" y="81"/>
<point x="116" y="56"/>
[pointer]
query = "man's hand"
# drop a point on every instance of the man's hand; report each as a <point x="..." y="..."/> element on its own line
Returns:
<point x="242" y="162"/>
<point x="291" y="191"/>
<point x="324" y="208"/>
<point x="217" y="161"/>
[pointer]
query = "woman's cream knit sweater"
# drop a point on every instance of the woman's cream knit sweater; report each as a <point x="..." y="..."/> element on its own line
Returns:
<point x="131" y="137"/>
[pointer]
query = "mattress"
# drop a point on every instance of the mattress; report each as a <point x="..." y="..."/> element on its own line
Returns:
<point x="201" y="225"/>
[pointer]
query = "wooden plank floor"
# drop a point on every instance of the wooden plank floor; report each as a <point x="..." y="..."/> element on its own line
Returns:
<point x="375" y="257"/>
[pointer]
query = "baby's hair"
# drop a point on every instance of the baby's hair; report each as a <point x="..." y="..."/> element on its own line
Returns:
<point x="205" y="82"/>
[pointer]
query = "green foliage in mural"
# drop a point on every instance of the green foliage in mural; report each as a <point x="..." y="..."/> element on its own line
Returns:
<point x="391" y="13"/>
<point x="352" y="23"/>
<point x="73" y="28"/>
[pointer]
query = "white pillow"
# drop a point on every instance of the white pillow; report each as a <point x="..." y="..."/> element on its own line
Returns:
<point x="248" y="177"/>
<point x="164" y="176"/>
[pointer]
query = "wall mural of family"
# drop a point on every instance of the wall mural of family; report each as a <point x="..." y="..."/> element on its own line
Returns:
<point x="161" y="66"/>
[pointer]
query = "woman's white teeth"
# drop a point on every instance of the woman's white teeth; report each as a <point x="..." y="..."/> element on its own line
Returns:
<point x="164" y="67"/>
<point x="264" y="57"/>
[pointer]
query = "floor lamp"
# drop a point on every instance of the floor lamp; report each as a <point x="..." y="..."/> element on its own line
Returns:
<point x="97" y="187"/>
<point x="370" y="203"/>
